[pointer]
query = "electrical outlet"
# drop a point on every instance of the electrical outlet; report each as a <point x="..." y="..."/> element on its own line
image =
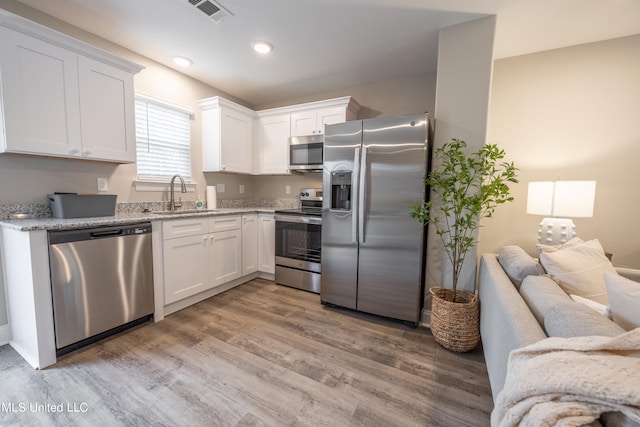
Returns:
<point x="103" y="184"/>
<point x="287" y="189"/>
<point x="241" y="189"/>
<point x="220" y="188"/>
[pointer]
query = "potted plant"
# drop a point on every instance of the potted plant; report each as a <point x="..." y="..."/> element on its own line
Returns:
<point x="466" y="189"/>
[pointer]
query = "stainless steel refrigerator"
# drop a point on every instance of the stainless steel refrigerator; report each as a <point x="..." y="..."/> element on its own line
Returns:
<point x="372" y="250"/>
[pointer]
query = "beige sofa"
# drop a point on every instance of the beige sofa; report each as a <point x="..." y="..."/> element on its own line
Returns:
<point x="521" y="310"/>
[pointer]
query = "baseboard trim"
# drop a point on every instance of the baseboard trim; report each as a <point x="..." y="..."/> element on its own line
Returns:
<point x="426" y="318"/>
<point x="5" y="334"/>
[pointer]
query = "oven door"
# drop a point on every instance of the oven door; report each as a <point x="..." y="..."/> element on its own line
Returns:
<point x="298" y="242"/>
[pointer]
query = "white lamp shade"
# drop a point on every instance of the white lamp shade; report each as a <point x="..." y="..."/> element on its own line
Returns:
<point x="540" y="198"/>
<point x="561" y="198"/>
<point x="574" y="199"/>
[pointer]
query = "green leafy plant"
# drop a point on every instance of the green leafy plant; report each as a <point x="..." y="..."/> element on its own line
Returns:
<point x="468" y="189"/>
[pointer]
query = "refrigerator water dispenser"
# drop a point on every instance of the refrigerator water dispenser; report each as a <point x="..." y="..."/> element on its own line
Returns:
<point x="341" y="190"/>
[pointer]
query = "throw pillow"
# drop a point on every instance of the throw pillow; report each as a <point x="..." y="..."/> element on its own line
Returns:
<point x="570" y="319"/>
<point x="518" y="264"/>
<point x="579" y="270"/>
<point x="624" y="300"/>
<point x="553" y="248"/>
<point x="596" y="306"/>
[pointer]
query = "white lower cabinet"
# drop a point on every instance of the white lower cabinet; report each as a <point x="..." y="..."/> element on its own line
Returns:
<point x="186" y="267"/>
<point x="249" y="244"/>
<point x="199" y="254"/>
<point x="266" y="243"/>
<point x="225" y="256"/>
<point x="196" y="259"/>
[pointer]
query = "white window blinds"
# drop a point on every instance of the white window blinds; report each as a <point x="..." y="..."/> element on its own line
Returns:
<point x="163" y="140"/>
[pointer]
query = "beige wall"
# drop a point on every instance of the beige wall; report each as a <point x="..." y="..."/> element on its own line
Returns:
<point x="572" y="114"/>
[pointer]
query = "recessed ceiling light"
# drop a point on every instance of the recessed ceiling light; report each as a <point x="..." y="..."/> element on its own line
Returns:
<point x="182" y="61"/>
<point x="262" y="47"/>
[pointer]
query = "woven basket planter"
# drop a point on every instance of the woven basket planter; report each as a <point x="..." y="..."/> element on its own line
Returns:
<point x="455" y="325"/>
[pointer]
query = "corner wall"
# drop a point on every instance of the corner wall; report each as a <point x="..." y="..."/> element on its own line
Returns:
<point x="465" y="62"/>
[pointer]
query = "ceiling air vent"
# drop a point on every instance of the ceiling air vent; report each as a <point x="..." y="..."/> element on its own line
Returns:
<point x="215" y="11"/>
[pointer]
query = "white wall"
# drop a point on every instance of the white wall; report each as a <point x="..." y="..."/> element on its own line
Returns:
<point x="465" y="60"/>
<point x="567" y="114"/>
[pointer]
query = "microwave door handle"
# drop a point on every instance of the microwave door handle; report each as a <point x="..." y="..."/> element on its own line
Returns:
<point x="354" y="196"/>
<point x="362" y="193"/>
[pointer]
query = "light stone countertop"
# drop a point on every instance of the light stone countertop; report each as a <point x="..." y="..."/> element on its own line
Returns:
<point x="32" y="224"/>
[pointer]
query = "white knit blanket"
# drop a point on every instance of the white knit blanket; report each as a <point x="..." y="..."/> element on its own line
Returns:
<point x="571" y="381"/>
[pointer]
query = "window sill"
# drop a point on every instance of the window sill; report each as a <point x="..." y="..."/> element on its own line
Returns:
<point x="161" y="186"/>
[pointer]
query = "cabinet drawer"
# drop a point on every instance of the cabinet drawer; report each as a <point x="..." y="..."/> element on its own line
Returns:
<point x="224" y="223"/>
<point x="184" y="227"/>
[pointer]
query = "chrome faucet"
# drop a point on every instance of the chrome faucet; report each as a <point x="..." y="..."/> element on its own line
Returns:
<point x="183" y="189"/>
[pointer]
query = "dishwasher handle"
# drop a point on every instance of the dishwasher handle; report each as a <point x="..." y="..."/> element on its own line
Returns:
<point x="110" y="233"/>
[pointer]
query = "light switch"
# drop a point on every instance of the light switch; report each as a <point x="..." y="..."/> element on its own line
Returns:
<point x="241" y="189"/>
<point x="287" y="189"/>
<point x="220" y="188"/>
<point x="103" y="184"/>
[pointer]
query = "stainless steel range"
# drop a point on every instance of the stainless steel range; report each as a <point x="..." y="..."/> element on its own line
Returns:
<point x="298" y="242"/>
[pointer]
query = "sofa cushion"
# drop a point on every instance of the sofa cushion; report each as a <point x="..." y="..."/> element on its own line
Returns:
<point x="579" y="269"/>
<point x="596" y="306"/>
<point x="540" y="293"/>
<point x="518" y="264"/>
<point x="554" y="248"/>
<point x="624" y="300"/>
<point x="571" y="319"/>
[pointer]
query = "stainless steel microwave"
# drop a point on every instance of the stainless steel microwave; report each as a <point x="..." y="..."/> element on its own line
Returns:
<point x="306" y="153"/>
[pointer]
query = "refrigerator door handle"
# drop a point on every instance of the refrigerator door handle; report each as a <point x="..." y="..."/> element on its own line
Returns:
<point x="354" y="185"/>
<point x="362" y="193"/>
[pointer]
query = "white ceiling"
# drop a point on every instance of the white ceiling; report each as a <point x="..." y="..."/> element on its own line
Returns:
<point x="329" y="44"/>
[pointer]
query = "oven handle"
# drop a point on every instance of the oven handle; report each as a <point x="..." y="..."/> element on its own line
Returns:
<point x="299" y="219"/>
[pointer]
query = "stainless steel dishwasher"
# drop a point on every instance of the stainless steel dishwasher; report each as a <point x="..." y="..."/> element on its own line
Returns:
<point x="102" y="282"/>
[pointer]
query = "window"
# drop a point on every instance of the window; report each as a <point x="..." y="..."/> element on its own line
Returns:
<point x="163" y="140"/>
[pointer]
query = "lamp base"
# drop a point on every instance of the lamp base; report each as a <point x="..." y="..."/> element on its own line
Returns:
<point x="554" y="231"/>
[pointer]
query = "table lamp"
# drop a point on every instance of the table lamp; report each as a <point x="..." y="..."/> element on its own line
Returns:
<point x="555" y="199"/>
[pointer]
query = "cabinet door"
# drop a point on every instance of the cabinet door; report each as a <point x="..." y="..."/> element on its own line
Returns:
<point x="236" y="148"/>
<point x="186" y="271"/>
<point x="273" y="144"/>
<point x="266" y="243"/>
<point x="249" y="244"/>
<point x="225" y="256"/>
<point x="330" y="116"/>
<point x="106" y="107"/>
<point x="40" y="96"/>
<point x="303" y="123"/>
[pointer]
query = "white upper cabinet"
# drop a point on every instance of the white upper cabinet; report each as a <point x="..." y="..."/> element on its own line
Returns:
<point x="276" y="125"/>
<point x="272" y="148"/>
<point x="62" y="97"/>
<point x="312" y="122"/>
<point x="107" y="109"/>
<point x="237" y="139"/>
<point x="227" y="136"/>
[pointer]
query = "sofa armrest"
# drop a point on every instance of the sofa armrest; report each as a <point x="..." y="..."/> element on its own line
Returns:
<point x="506" y="323"/>
<point x="629" y="273"/>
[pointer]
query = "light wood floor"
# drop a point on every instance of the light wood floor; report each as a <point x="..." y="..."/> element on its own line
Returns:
<point x="258" y="355"/>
